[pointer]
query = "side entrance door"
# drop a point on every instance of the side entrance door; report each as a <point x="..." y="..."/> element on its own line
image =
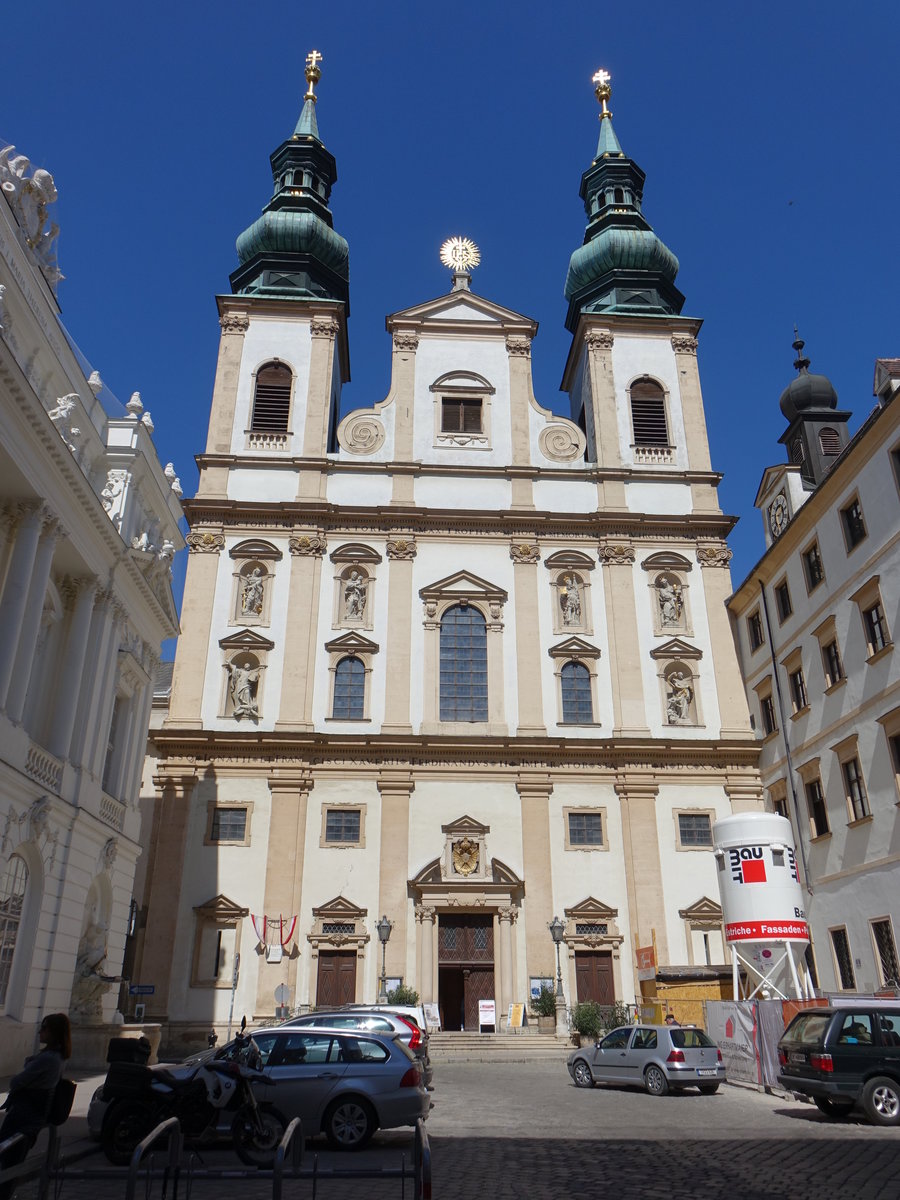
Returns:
<point x="594" y="976"/>
<point x="336" y="984"/>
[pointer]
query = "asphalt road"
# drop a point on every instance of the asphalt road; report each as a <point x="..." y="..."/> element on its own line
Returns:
<point x="508" y="1131"/>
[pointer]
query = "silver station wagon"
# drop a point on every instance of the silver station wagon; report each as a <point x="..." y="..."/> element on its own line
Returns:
<point x="655" y="1057"/>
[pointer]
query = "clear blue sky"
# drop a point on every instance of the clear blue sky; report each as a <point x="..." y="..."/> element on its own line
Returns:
<point x="768" y="134"/>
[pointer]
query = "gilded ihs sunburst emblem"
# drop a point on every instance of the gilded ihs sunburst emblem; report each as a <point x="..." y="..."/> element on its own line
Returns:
<point x="460" y="254"/>
<point x="465" y="856"/>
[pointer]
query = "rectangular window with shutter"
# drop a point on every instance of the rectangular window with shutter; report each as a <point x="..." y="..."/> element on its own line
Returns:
<point x="461" y="416"/>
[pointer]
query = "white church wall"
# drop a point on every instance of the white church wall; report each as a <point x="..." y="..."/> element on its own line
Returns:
<point x="266" y="339"/>
<point x="435" y="491"/>
<point x="436" y="356"/>
<point x="565" y="495"/>
<point x="634" y="356"/>
<point x="666" y="499"/>
<point x="359" y="488"/>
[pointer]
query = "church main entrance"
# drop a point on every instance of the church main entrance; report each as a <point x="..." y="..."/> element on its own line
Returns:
<point x="465" y="967"/>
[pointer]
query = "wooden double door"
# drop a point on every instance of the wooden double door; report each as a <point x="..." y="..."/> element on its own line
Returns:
<point x="336" y="982"/>
<point x="465" y="967"/>
<point x="594" y="976"/>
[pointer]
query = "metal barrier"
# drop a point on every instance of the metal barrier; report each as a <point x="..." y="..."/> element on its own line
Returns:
<point x="170" y="1128"/>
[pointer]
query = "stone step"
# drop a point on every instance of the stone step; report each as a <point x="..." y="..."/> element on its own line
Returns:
<point x="455" y="1047"/>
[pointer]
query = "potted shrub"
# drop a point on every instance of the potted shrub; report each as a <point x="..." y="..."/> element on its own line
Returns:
<point x="403" y="995"/>
<point x="587" y="1021"/>
<point x="543" y="1007"/>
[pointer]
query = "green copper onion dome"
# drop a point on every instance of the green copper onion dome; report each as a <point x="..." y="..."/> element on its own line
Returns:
<point x="292" y="250"/>
<point x="623" y="267"/>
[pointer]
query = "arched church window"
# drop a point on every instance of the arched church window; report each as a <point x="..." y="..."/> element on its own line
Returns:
<point x="577" y="708"/>
<point x="619" y="196"/>
<point x="463" y="665"/>
<point x="272" y="399"/>
<point x="349" y="689"/>
<point x="12" y="901"/>
<point x="648" y="414"/>
<point x="829" y="442"/>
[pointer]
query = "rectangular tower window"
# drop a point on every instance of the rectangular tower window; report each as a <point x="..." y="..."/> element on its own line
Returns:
<point x="815" y="803"/>
<point x="228" y="825"/>
<point x="342" y="825"/>
<point x="460" y="416"/>
<point x="585" y="829"/>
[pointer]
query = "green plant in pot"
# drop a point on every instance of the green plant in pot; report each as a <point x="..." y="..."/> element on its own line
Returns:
<point x="403" y="995"/>
<point x="543" y="1006"/>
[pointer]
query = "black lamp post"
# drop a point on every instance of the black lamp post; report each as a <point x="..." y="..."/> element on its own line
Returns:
<point x="557" y="932"/>
<point x="384" y="928"/>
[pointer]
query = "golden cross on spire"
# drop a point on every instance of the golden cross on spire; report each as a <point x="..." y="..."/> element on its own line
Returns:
<point x="313" y="74"/>
<point x="602" y="90"/>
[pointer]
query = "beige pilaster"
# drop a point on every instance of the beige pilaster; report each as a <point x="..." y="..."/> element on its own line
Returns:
<point x="312" y="476"/>
<point x="643" y="868"/>
<point x="219" y="440"/>
<point x="295" y="710"/>
<point x="29" y="521"/>
<point x="696" y="440"/>
<point x="284" y="877"/>
<point x="82" y="593"/>
<point x="189" y="672"/>
<point x="745" y="795"/>
<point x="506" y="917"/>
<point x="396" y="789"/>
<point x="400" y="551"/>
<point x="404" y="344"/>
<point x="518" y="348"/>
<point x="734" y="715"/>
<point x="165" y="873"/>
<point x="599" y="371"/>
<point x="629" y="706"/>
<point x="425" y="922"/>
<point x="534" y="793"/>
<point x="526" y="557"/>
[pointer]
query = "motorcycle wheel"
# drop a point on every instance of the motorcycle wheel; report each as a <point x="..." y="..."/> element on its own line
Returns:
<point x="127" y="1124"/>
<point x="256" y="1146"/>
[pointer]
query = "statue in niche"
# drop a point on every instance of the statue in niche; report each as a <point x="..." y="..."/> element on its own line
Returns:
<point x="679" y="697"/>
<point x="355" y="590"/>
<point x="252" y="589"/>
<point x="671" y="600"/>
<point x="90" y="983"/>
<point x="570" y="600"/>
<point x="243" y="680"/>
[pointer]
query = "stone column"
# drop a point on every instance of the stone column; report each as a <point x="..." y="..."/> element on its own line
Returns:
<point x="400" y="551"/>
<point x="629" y="707"/>
<point x="165" y="876"/>
<point x="534" y="792"/>
<point x="132" y="780"/>
<point x="526" y="556"/>
<point x="605" y="425"/>
<point x="396" y="789"/>
<point x="425" y="915"/>
<point x="284" y="874"/>
<point x="71" y="682"/>
<point x="506" y="917"/>
<point x="93" y="680"/>
<point x="734" y="715"/>
<point x="189" y="673"/>
<point x="31" y="518"/>
<point x="31" y="621"/>
<point x="643" y="867"/>
<point x="295" y="710"/>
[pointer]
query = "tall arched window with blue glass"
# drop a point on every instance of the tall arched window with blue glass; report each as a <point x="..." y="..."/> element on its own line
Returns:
<point x="576" y="694"/>
<point x="464" y="695"/>
<point x="349" y="690"/>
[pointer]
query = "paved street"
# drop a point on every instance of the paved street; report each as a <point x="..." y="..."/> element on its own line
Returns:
<point x="521" y="1129"/>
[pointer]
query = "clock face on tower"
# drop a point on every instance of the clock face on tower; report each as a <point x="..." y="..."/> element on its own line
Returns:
<point x="778" y="515"/>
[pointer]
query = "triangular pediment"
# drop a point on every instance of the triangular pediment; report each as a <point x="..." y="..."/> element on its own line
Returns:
<point x="461" y="308"/>
<point x="222" y="909"/>
<point x="772" y="479"/>
<point x="676" y="648"/>
<point x="592" y="910"/>
<point x="703" y="909"/>
<point x="246" y="639"/>
<point x="351" y="643"/>
<point x="355" y="552"/>
<point x="666" y="560"/>
<point x="574" y="647"/>
<point x="340" y="908"/>
<point x="569" y="559"/>
<point x="465" y="825"/>
<point x="463" y="585"/>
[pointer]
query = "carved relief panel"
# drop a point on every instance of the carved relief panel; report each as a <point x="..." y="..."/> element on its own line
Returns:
<point x="465" y="856"/>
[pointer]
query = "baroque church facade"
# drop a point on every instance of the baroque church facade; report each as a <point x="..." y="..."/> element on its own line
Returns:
<point x="455" y="660"/>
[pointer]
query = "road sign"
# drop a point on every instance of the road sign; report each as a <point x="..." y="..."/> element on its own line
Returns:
<point x="282" y="994"/>
<point x="141" y="989"/>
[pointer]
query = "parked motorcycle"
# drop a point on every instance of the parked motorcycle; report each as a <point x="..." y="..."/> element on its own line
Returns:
<point x="198" y="1095"/>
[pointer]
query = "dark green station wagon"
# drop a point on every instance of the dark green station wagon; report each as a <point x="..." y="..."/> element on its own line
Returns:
<point x="843" y="1057"/>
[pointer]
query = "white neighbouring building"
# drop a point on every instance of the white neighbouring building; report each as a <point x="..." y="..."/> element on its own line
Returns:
<point x="454" y="659"/>
<point x="88" y="528"/>
<point x="814" y="623"/>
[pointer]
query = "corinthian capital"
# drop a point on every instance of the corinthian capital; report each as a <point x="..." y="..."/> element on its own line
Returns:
<point x="684" y="344"/>
<point x="323" y="327"/>
<point x="599" y="339"/>
<point x="717" y="555"/>
<point x="518" y="347"/>
<point x="232" y="322"/>
<point x="206" y="542"/>
<point x="405" y="339"/>
<point x="307" y="545"/>
<point x="616" y="553"/>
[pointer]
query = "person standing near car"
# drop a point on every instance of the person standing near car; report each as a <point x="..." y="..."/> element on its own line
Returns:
<point x="31" y="1091"/>
<point x="671" y="1019"/>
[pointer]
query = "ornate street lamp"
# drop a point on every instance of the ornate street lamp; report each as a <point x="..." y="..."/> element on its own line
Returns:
<point x="383" y="928"/>
<point x="557" y="932"/>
